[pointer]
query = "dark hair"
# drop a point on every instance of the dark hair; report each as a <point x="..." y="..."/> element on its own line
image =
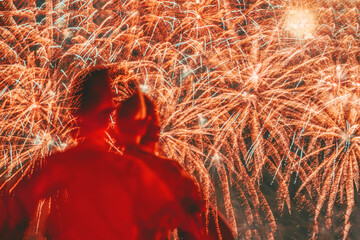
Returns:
<point x="90" y="88"/>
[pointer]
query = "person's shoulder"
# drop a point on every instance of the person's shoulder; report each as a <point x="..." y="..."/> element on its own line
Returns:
<point x="174" y="166"/>
<point x="79" y="151"/>
<point x="62" y="158"/>
<point x="59" y="155"/>
<point x="131" y="161"/>
<point x="161" y="159"/>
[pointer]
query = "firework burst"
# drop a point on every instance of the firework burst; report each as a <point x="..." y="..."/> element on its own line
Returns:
<point x="252" y="94"/>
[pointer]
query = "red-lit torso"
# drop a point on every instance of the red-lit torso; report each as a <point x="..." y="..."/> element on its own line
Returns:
<point x="99" y="195"/>
<point x="189" y="205"/>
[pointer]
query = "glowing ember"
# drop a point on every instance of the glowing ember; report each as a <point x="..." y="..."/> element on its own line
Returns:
<point x="300" y="23"/>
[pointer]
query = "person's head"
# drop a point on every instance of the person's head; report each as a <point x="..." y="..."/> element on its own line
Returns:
<point x="152" y="135"/>
<point x="92" y="103"/>
<point x="131" y="120"/>
<point x="138" y="123"/>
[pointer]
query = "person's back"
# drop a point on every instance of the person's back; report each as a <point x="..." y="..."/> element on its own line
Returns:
<point x="102" y="196"/>
<point x="154" y="203"/>
<point x="189" y="204"/>
<point x="89" y="199"/>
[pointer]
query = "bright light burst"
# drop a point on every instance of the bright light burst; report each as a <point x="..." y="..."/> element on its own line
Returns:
<point x="300" y="23"/>
<point x="259" y="99"/>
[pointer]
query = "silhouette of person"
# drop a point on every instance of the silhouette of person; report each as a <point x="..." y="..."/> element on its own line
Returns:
<point x="91" y="189"/>
<point x="140" y="139"/>
<point x="137" y="131"/>
<point x="66" y="177"/>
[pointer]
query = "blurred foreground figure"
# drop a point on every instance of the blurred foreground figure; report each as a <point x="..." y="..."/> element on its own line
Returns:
<point x="74" y="180"/>
<point x="84" y="184"/>
<point x="138" y="128"/>
<point x="92" y="193"/>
